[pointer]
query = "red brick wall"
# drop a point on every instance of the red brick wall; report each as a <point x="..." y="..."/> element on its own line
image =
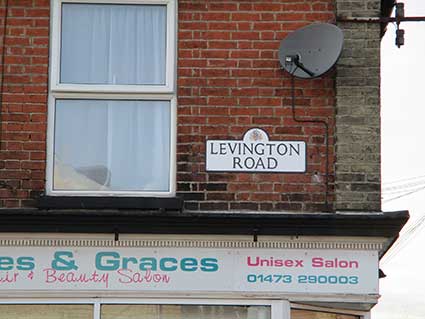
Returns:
<point x="229" y="80"/>
<point x="24" y="100"/>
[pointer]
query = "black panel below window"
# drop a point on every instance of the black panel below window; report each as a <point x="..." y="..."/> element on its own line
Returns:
<point x="83" y="202"/>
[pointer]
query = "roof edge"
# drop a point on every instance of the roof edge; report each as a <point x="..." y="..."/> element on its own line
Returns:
<point x="341" y="223"/>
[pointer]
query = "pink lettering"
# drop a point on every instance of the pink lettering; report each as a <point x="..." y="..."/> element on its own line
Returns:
<point x="274" y="262"/>
<point x="8" y="278"/>
<point x="127" y="276"/>
<point x="319" y="262"/>
<point x="52" y="276"/>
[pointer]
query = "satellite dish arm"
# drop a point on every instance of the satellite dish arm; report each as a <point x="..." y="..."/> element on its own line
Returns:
<point x="296" y="60"/>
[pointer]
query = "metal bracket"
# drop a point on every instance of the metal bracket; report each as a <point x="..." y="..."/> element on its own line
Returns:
<point x="399" y="18"/>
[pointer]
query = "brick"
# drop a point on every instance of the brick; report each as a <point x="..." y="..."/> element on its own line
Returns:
<point x="267" y="7"/>
<point x="219" y="196"/>
<point x="245" y="16"/>
<point x="214" y="206"/>
<point x="222" y="7"/>
<point x="215" y="16"/>
<point x="251" y="206"/>
<point x="245" y="35"/>
<point x="192" y="196"/>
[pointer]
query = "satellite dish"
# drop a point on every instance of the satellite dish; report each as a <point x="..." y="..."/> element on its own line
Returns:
<point x="311" y="51"/>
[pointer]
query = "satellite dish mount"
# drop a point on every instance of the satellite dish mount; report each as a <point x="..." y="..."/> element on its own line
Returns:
<point x="295" y="59"/>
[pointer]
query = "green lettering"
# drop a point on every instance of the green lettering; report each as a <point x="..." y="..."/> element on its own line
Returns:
<point x="163" y="264"/>
<point x="209" y="264"/>
<point x="107" y="260"/>
<point x="6" y="263"/>
<point x="127" y="260"/>
<point x="148" y="263"/>
<point x="189" y="264"/>
<point x="25" y="263"/>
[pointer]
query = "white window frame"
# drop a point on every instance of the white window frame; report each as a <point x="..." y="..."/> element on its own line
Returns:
<point x="166" y="92"/>
<point x="279" y="308"/>
<point x="56" y="86"/>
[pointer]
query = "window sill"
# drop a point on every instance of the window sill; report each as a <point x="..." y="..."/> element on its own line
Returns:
<point x="96" y="202"/>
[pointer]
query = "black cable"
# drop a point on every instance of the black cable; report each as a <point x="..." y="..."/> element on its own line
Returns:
<point x="402" y="190"/>
<point x="6" y="6"/>
<point x="325" y="124"/>
<point x="404" y="195"/>
<point x="398" y="181"/>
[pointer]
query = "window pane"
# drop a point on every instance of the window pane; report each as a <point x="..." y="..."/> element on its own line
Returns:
<point x="116" y="145"/>
<point x="113" y="44"/>
<point x="184" y="312"/>
<point x="46" y="312"/>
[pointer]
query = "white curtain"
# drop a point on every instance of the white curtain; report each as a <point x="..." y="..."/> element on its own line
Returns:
<point x="121" y="145"/>
<point x="117" y="145"/>
<point x="113" y="44"/>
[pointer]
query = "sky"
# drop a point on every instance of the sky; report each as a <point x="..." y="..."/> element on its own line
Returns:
<point x="403" y="167"/>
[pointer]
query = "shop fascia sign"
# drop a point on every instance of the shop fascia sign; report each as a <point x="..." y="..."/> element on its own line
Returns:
<point x="256" y="153"/>
<point x="320" y="271"/>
